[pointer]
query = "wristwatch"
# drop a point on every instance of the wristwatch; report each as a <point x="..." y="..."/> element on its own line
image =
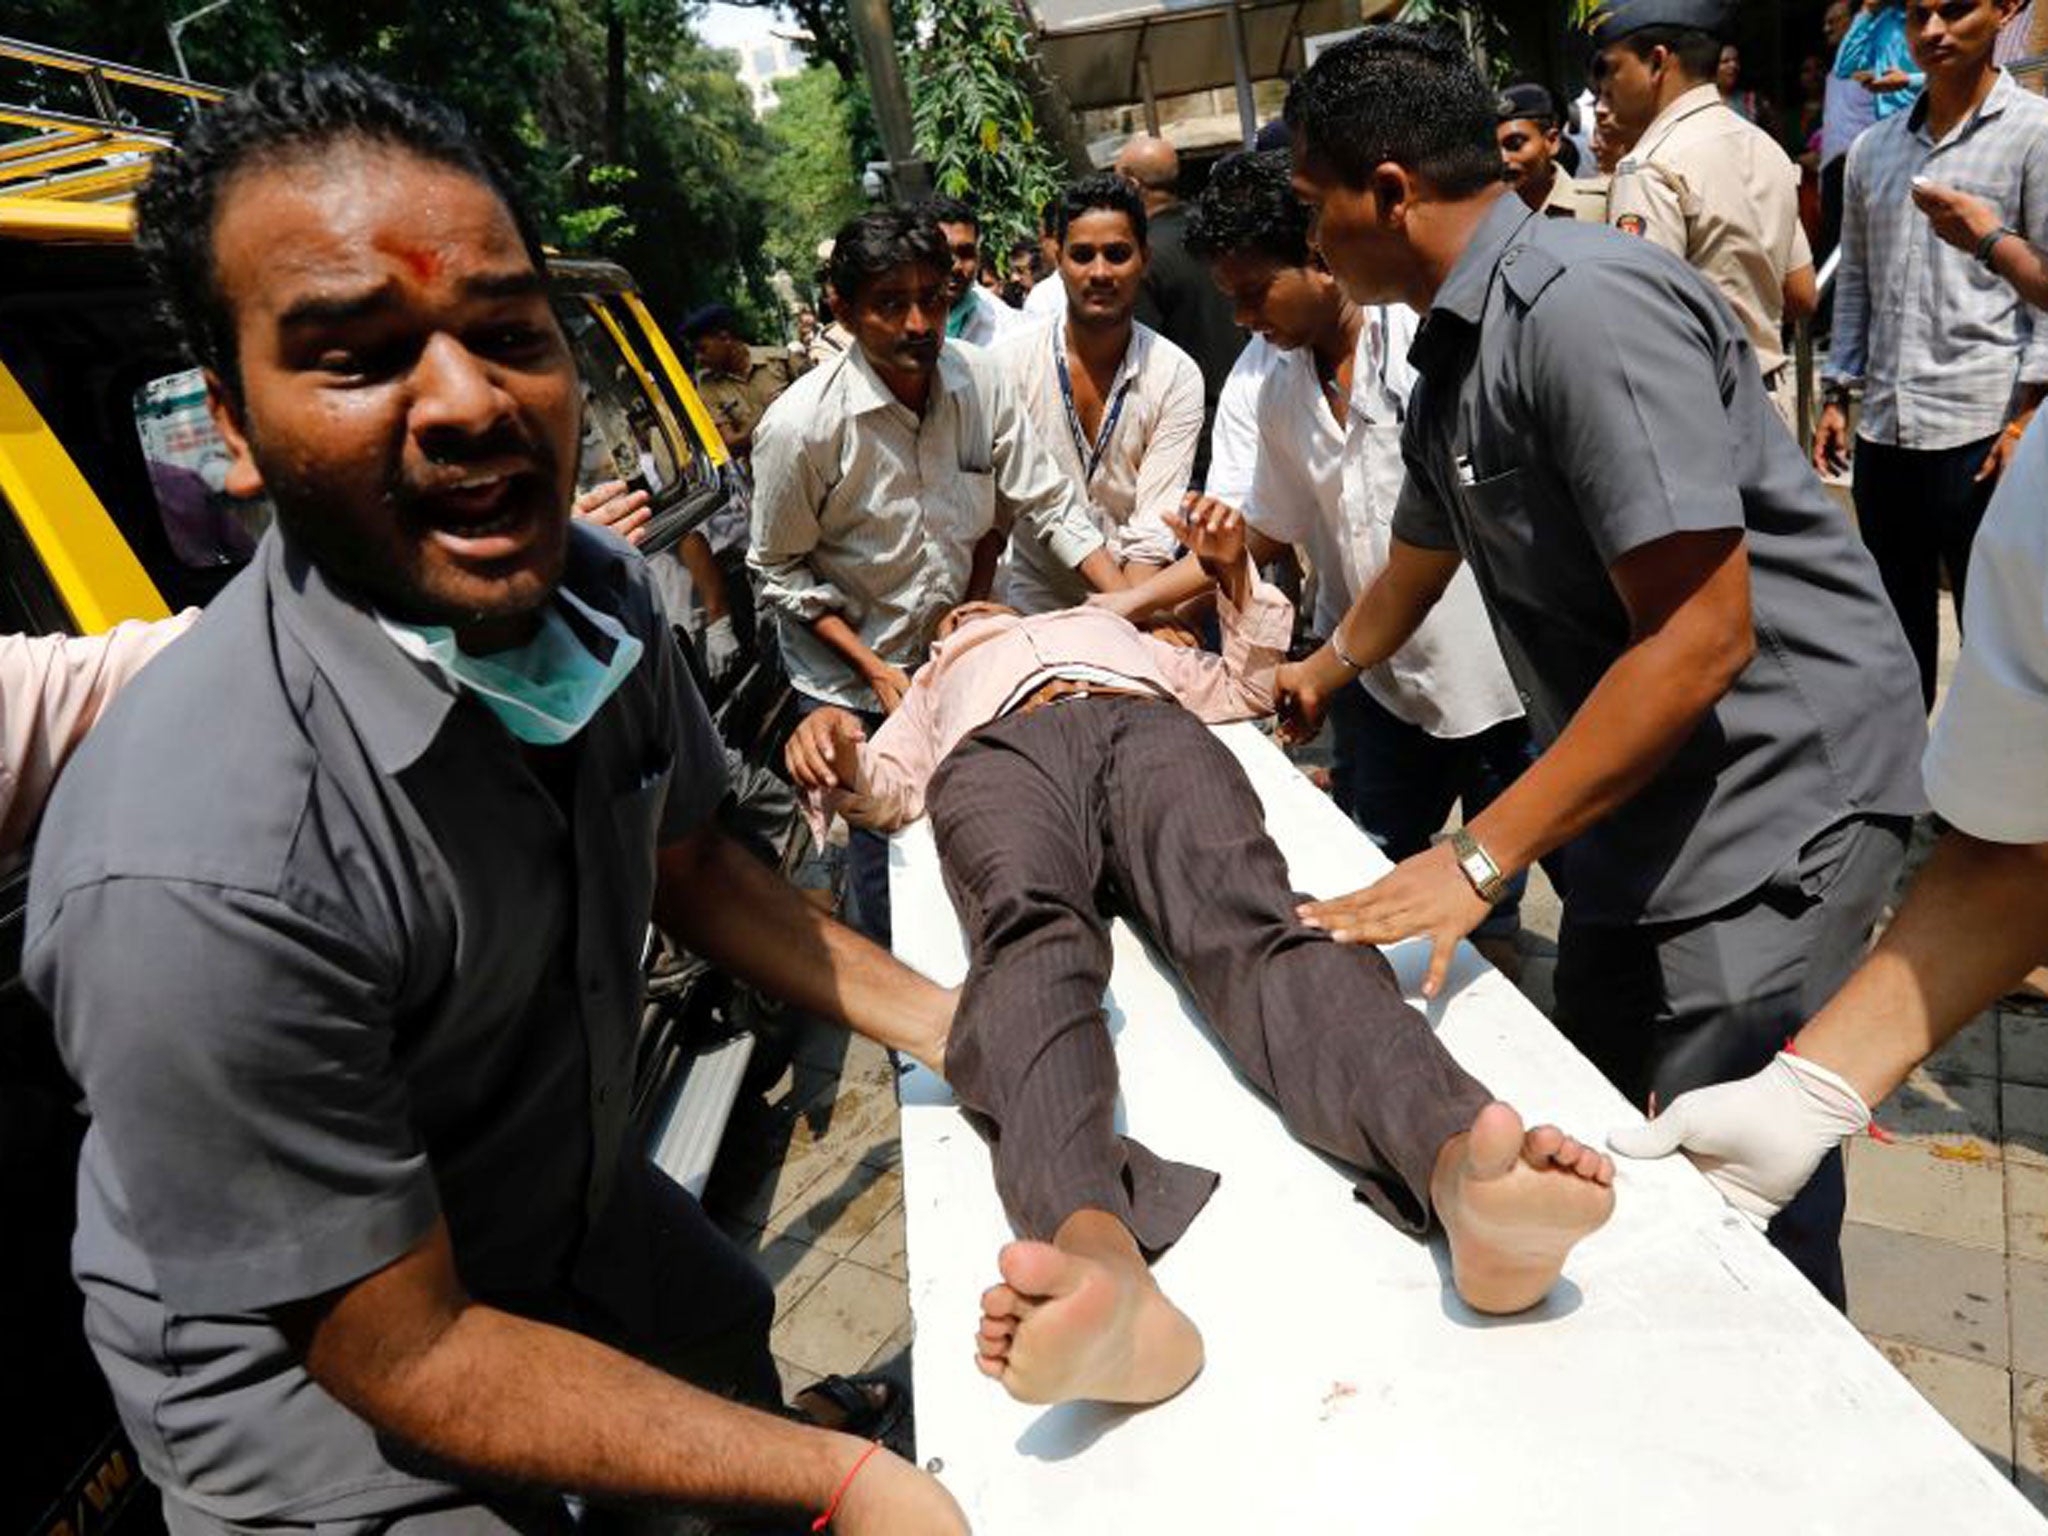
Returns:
<point x="1478" y="866"/>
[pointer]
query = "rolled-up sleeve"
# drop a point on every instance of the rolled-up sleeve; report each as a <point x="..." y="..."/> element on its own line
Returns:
<point x="1624" y="368"/>
<point x="1239" y="684"/>
<point x="237" y="1055"/>
<point x="788" y="496"/>
<point x="1164" y="472"/>
<point x="1029" y="485"/>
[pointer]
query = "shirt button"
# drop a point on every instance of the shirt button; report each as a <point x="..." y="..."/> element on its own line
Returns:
<point x="1509" y="259"/>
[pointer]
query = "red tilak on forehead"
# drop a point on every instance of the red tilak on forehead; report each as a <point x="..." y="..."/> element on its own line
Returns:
<point x="424" y="264"/>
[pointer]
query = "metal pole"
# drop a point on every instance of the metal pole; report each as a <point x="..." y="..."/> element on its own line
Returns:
<point x="1147" y="95"/>
<point x="1241" y="69"/>
<point x="177" y="28"/>
<point x="876" y="40"/>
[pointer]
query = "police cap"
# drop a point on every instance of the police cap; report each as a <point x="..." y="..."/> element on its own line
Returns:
<point x="1527" y="99"/>
<point x="711" y="317"/>
<point x="1617" y="19"/>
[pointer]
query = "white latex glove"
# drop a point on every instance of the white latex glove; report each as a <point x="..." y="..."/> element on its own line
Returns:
<point x="1758" y="1139"/>
<point x="721" y="647"/>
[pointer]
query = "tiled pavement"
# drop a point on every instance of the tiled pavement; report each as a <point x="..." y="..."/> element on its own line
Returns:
<point x="1947" y="1244"/>
<point x="807" y="1181"/>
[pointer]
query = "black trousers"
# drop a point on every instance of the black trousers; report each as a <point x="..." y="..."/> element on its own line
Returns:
<point x="1663" y="1008"/>
<point x="1046" y="820"/>
<point x="1918" y="511"/>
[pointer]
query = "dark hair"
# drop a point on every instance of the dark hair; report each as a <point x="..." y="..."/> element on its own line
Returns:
<point x="1105" y="193"/>
<point x="1402" y="93"/>
<point x="1698" y="53"/>
<point x="878" y="242"/>
<point x="276" y="119"/>
<point x="1249" y="206"/>
<point x="950" y="210"/>
<point x="1049" y="215"/>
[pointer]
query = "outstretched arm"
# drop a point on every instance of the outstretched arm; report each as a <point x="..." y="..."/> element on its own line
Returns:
<point x="725" y="905"/>
<point x="521" y="1402"/>
<point x="1973" y="924"/>
<point x="1379" y="623"/>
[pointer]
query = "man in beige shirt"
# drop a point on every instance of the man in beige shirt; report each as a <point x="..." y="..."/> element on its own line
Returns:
<point x="1702" y="182"/>
<point x="1117" y="405"/>
<point x="1531" y="136"/>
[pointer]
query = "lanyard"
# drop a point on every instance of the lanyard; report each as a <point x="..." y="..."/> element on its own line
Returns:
<point x="1091" y="458"/>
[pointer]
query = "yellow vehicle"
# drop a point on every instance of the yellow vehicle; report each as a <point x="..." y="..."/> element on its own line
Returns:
<point x="111" y="508"/>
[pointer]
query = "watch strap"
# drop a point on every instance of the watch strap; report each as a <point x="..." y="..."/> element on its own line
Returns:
<point x="1478" y="865"/>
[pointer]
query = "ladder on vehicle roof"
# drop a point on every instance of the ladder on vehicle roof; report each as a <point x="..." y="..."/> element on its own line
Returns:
<point x="100" y="156"/>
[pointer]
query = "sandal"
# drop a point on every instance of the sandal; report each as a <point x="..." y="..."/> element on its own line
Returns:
<point x="867" y="1407"/>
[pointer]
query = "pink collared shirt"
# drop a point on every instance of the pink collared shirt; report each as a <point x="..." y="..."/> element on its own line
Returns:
<point x="989" y="665"/>
<point x="52" y="689"/>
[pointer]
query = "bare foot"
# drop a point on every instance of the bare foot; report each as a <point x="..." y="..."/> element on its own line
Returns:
<point x="1065" y="1327"/>
<point x="1513" y="1203"/>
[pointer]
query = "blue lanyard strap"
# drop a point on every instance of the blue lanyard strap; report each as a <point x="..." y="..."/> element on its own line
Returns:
<point x="1091" y="458"/>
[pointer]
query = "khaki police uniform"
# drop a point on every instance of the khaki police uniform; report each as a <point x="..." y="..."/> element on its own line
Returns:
<point x="736" y="403"/>
<point x="1573" y="197"/>
<point x="1718" y="191"/>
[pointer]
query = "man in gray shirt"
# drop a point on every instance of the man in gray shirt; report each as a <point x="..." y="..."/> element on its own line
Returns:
<point x="338" y="912"/>
<point x="1727" y="707"/>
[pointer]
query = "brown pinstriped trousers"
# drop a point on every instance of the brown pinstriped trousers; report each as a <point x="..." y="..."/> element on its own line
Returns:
<point x="1047" y="820"/>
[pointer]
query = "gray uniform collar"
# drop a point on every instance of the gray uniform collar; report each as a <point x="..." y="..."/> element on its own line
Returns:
<point x="1461" y="300"/>
<point x="396" y="704"/>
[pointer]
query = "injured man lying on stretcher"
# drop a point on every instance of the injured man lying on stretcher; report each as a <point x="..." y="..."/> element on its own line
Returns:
<point x="1068" y="772"/>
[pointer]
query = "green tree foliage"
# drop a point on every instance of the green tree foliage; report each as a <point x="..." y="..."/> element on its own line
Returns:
<point x="530" y="76"/>
<point x="820" y="136"/>
<point x="973" y="118"/>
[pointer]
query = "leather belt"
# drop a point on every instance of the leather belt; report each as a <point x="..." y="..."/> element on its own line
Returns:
<point x="1062" y="690"/>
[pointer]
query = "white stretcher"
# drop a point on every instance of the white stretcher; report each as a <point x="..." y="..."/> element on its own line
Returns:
<point x="1682" y="1377"/>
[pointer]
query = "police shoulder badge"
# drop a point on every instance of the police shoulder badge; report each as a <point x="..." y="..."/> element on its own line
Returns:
<point x="1631" y="224"/>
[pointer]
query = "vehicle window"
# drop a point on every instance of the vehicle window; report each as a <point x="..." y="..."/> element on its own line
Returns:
<point x="29" y="605"/>
<point x="624" y="434"/>
<point x="188" y="461"/>
<point x="81" y="333"/>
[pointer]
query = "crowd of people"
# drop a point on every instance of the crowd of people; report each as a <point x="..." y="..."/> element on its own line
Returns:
<point x="361" y="1238"/>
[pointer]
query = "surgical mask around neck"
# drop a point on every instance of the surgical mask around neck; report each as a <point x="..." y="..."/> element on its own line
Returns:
<point x="544" y="691"/>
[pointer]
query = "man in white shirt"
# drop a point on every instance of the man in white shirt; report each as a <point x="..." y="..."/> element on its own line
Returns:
<point x="885" y="485"/>
<point x="1440" y="722"/>
<point x="1117" y="404"/>
<point x="973" y="313"/>
<point x="1234" y="436"/>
